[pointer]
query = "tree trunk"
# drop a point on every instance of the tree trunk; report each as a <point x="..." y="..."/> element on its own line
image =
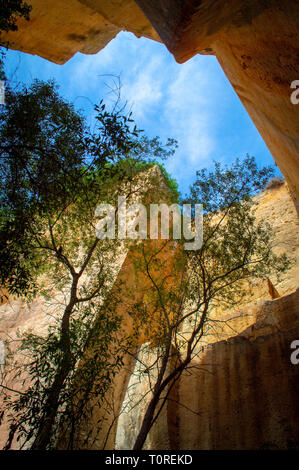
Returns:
<point x="44" y="433"/>
<point x="148" y="417"/>
<point x="146" y="423"/>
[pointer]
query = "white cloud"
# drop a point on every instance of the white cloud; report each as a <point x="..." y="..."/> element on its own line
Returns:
<point x="144" y="89"/>
<point x="189" y="116"/>
<point x="192" y="102"/>
<point x="167" y="99"/>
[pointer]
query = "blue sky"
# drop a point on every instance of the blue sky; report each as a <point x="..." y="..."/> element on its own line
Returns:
<point x="192" y="102"/>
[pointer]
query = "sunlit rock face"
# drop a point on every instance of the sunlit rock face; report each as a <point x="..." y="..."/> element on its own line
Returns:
<point x="137" y="397"/>
<point x="242" y="392"/>
<point x="57" y="30"/>
<point x="246" y="389"/>
<point x="18" y="317"/>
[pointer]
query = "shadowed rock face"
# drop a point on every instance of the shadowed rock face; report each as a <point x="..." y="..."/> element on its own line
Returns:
<point x="190" y="27"/>
<point x="255" y="41"/>
<point x="245" y="388"/>
<point x="240" y="393"/>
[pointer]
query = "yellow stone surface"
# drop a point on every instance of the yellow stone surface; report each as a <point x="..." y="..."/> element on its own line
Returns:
<point x="243" y="360"/>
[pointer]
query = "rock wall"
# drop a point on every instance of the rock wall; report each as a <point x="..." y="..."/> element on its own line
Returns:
<point x="241" y="392"/>
<point x="57" y="30"/>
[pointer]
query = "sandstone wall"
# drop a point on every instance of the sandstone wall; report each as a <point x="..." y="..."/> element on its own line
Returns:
<point x="243" y="390"/>
<point x="275" y="207"/>
<point x="246" y="389"/>
<point x="256" y="43"/>
<point x="241" y="393"/>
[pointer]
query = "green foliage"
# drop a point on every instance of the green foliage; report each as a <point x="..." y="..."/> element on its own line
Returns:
<point x="219" y="188"/>
<point x="55" y="171"/>
<point x="49" y="160"/>
<point x="10" y="10"/>
<point x="171" y="183"/>
<point x="236" y="247"/>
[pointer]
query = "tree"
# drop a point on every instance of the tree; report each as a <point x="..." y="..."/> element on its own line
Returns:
<point x="183" y="288"/>
<point x="10" y="10"/>
<point x="55" y="172"/>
